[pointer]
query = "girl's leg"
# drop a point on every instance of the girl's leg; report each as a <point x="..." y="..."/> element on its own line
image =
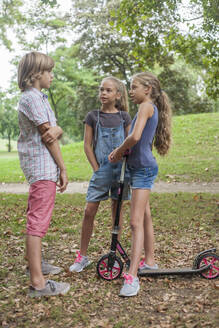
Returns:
<point x="148" y="236"/>
<point x="140" y="198"/>
<point x="113" y="208"/>
<point x="87" y="226"/>
<point x="33" y="247"/>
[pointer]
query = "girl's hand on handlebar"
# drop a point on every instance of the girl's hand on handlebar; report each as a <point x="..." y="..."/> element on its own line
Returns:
<point x="115" y="156"/>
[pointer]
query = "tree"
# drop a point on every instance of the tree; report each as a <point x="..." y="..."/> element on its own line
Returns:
<point x="44" y="27"/>
<point x="8" y="118"/>
<point x="180" y="83"/>
<point x="73" y="92"/>
<point x="10" y="15"/>
<point x="154" y="29"/>
<point x="99" y="47"/>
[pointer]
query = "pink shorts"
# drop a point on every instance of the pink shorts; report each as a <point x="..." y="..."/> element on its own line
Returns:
<point x="41" y="202"/>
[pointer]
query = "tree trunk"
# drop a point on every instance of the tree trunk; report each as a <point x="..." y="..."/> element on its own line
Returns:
<point x="9" y="143"/>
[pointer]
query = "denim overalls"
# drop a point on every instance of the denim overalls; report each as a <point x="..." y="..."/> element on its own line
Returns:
<point x="106" y="178"/>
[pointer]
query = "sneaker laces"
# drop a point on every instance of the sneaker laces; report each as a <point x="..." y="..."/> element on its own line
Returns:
<point x="78" y="258"/>
<point x="51" y="284"/>
<point x="128" y="278"/>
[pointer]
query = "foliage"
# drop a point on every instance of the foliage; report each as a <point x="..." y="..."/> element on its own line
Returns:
<point x="114" y="53"/>
<point x="153" y="27"/>
<point x="10" y="15"/>
<point x="37" y="24"/>
<point x="187" y="226"/>
<point x="182" y="86"/>
<point x="98" y="45"/>
<point x="73" y="92"/>
<point x="44" y="27"/>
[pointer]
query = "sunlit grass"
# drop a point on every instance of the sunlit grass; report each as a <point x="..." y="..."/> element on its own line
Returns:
<point x="194" y="155"/>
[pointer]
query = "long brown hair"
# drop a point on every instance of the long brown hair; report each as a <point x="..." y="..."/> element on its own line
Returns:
<point x="31" y="67"/>
<point x="162" y="139"/>
<point x="122" y="103"/>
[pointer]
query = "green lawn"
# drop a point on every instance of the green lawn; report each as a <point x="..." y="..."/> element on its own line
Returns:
<point x="184" y="224"/>
<point x="194" y="155"/>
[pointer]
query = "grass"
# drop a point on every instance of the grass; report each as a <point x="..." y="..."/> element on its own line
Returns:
<point x="193" y="155"/>
<point x="184" y="224"/>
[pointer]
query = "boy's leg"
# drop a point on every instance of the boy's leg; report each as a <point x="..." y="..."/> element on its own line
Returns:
<point x="87" y="225"/>
<point x="33" y="246"/>
<point x="40" y="206"/>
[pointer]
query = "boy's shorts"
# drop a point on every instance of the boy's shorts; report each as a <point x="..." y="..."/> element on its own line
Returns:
<point x="41" y="202"/>
<point x="104" y="183"/>
<point x="142" y="178"/>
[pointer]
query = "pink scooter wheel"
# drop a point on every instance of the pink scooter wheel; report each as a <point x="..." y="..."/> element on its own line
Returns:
<point x="103" y="271"/>
<point x="209" y="258"/>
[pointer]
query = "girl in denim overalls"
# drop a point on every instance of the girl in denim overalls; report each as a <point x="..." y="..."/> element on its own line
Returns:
<point x="151" y="125"/>
<point x="105" y="130"/>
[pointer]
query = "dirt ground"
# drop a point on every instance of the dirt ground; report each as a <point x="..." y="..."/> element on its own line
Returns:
<point x="159" y="187"/>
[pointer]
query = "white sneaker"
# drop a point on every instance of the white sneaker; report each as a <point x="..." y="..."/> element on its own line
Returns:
<point x="47" y="268"/>
<point x="80" y="263"/>
<point x="51" y="288"/>
<point x="143" y="266"/>
<point x="131" y="286"/>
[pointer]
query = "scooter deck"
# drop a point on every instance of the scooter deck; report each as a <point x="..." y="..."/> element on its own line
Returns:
<point x="180" y="271"/>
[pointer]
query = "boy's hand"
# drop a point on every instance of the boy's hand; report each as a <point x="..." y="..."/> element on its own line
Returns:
<point x="52" y="134"/>
<point x="63" y="181"/>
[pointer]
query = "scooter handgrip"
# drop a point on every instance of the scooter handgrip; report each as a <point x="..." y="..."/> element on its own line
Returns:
<point x="127" y="153"/>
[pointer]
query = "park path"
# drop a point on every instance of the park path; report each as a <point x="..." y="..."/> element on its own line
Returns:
<point x="159" y="187"/>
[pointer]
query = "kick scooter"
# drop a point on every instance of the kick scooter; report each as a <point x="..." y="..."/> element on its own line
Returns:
<point x="110" y="266"/>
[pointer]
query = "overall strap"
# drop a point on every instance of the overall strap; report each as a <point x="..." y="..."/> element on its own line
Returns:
<point x="98" y="122"/>
<point x="122" y="120"/>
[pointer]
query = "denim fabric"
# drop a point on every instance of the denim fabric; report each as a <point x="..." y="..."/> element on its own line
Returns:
<point x="142" y="178"/>
<point x="105" y="180"/>
<point x="107" y="139"/>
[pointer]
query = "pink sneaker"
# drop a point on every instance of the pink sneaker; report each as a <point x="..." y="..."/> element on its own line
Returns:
<point x="80" y="263"/>
<point x="144" y="266"/>
<point x="130" y="287"/>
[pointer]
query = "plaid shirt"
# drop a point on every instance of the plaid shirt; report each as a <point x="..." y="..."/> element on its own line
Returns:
<point x="35" y="159"/>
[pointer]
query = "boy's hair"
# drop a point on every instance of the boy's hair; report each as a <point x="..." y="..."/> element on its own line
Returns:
<point x="31" y="67"/>
<point x="162" y="140"/>
<point x="122" y="103"/>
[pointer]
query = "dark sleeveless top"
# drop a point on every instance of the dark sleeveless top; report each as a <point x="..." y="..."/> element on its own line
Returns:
<point x="141" y="153"/>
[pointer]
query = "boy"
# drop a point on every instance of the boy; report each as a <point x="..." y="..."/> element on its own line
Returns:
<point x="41" y="161"/>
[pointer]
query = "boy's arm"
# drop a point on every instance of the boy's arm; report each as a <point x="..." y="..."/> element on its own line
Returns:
<point x="88" y="147"/>
<point x="51" y="133"/>
<point x="55" y="151"/>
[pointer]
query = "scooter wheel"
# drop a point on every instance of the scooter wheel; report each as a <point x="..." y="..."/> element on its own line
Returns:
<point x="209" y="258"/>
<point x="103" y="271"/>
